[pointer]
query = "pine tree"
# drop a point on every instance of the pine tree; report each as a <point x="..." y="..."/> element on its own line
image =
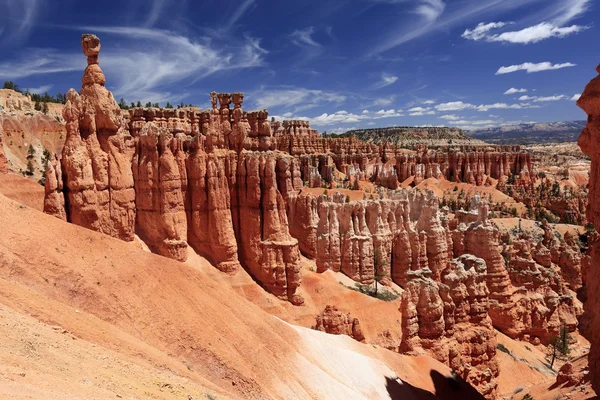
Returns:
<point x="139" y="104"/>
<point x="560" y="346"/>
<point x="37" y="106"/>
<point x="30" y="151"/>
<point x="45" y="108"/>
<point x="46" y="159"/>
<point x="29" y="168"/>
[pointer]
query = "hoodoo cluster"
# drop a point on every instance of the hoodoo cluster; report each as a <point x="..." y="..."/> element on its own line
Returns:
<point x="239" y="190"/>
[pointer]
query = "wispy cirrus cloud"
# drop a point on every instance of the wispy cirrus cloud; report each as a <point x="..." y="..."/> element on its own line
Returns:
<point x="482" y="30"/>
<point x="40" y="90"/>
<point x="442" y="18"/>
<point x="575" y="97"/>
<point x="304" y="37"/>
<point x="294" y="98"/>
<point x="386" y="80"/>
<point x="533" y="67"/>
<point x="147" y="63"/>
<point x="556" y="16"/>
<point x="17" y="18"/>
<point x="41" y="61"/>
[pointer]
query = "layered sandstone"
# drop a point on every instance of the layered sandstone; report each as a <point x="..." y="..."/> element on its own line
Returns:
<point x="3" y="160"/>
<point x="333" y="321"/>
<point x="179" y="177"/>
<point x="588" y="141"/>
<point x="96" y="159"/>
<point x="449" y="317"/>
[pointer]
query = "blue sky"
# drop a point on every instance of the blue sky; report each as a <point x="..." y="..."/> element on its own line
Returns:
<point x="341" y="64"/>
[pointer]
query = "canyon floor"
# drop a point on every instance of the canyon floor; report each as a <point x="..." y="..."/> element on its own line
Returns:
<point x="84" y="315"/>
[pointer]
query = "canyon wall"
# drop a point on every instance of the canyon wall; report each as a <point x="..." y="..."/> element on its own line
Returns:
<point x="239" y="190"/>
<point x="151" y="177"/>
<point x="3" y="160"/>
<point x="588" y="141"/>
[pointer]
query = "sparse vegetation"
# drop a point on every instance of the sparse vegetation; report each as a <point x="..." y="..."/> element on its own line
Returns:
<point x="560" y="346"/>
<point x="385" y="295"/>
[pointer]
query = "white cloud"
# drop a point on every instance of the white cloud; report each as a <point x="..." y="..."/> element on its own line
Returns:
<point x="533" y="67"/>
<point x="40" y="90"/>
<point x="482" y="29"/>
<point x="336" y="118"/>
<point x="538" y="99"/>
<point x="514" y="90"/>
<point x="461" y="11"/>
<point x="430" y="9"/>
<point x="575" y="97"/>
<point x="536" y="33"/>
<point x="345" y="117"/>
<point x="475" y="122"/>
<point x="297" y="99"/>
<point x="459" y="106"/>
<point x="429" y="102"/>
<point x="454" y="106"/>
<point x="388" y="114"/>
<point x="419" y="111"/>
<point x="17" y="18"/>
<point x="386" y="80"/>
<point x="303" y="37"/>
<point x="240" y="10"/>
<point x="532" y="34"/>
<point x="149" y="62"/>
<point x="567" y="10"/>
<point x="504" y="106"/>
<point x="41" y="61"/>
<point x="450" y="117"/>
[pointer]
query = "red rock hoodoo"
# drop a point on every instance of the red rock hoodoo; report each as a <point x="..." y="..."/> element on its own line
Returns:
<point x="241" y="191"/>
<point x="333" y="321"/>
<point x="588" y="141"/>
<point x="3" y="160"/>
<point x="177" y="177"/>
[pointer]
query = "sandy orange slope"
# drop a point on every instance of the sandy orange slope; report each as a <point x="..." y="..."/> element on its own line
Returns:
<point x="167" y="322"/>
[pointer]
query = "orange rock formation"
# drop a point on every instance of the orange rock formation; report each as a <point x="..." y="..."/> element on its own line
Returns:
<point x="588" y="141"/>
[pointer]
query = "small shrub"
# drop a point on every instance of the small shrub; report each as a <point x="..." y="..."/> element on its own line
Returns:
<point x="503" y="349"/>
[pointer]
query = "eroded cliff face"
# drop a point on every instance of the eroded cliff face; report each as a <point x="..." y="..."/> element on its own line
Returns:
<point x="3" y="160"/>
<point x="588" y="141"/>
<point x="236" y="188"/>
<point x="174" y="185"/>
<point x="449" y="318"/>
<point x="96" y="159"/>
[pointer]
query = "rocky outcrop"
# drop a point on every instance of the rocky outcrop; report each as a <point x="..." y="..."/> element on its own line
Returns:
<point x="179" y="177"/>
<point x="588" y="141"/>
<point x="568" y="376"/>
<point x="96" y="159"/>
<point x="161" y="215"/>
<point x="3" y="160"/>
<point x="54" y="198"/>
<point x="449" y="318"/>
<point x="473" y="166"/>
<point x="333" y="321"/>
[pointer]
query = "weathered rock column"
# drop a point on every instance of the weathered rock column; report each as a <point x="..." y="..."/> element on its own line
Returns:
<point x="589" y="141"/>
